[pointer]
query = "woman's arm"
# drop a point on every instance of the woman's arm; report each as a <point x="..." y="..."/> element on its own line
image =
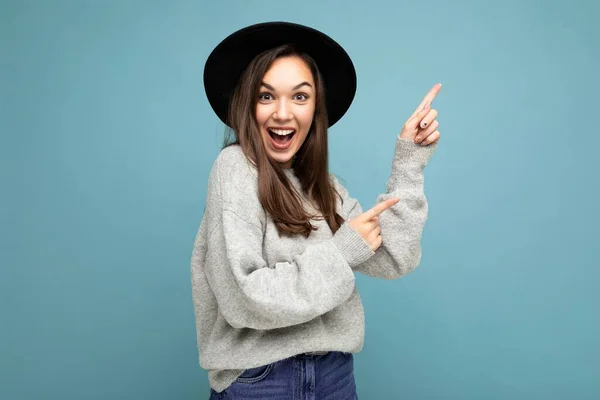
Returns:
<point x="401" y="225"/>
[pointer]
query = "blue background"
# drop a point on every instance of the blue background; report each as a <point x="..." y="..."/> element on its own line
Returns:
<point x="107" y="142"/>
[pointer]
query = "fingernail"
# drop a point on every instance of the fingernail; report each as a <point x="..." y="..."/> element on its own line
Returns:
<point x="418" y="139"/>
<point x="423" y="124"/>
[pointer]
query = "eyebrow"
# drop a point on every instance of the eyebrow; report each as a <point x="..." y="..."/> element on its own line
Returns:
<point x="294" y="88"/>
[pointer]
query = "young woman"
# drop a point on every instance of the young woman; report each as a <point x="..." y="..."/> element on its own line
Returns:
<point x="277" y="312"/>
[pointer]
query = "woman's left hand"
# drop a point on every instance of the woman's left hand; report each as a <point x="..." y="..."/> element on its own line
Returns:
<point x="422" y="126"/>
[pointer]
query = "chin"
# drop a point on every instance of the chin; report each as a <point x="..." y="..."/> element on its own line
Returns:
<point x="280" y="158"/>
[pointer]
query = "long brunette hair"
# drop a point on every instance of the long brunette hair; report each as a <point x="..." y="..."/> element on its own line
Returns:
<point x="276" y="194"/>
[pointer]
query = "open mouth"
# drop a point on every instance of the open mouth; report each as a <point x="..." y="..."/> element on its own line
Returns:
<point x="281" y="137"/>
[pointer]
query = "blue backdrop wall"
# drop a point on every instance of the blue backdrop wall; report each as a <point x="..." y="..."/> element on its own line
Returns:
<point x="107" y="142"/>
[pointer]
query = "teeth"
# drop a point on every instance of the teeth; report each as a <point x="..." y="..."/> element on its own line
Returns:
<point x="282" y="132"/>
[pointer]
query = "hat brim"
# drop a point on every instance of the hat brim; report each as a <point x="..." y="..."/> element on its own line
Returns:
<point x="229" y="59"/>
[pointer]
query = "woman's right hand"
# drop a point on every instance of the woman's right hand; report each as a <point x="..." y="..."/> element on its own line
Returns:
<point x="367" y="223"/>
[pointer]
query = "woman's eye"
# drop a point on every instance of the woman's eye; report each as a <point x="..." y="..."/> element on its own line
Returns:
<point x="265" y="97"/>
<point x="301" y="97"/>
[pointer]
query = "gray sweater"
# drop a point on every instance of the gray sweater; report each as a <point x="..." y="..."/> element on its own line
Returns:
<point x="259" y="297"/>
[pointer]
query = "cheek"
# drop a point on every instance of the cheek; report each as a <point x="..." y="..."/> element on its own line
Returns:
<point x="306" y="116"/>
<point x="262" y="115"/>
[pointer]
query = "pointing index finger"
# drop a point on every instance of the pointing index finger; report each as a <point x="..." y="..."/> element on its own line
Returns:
<point x="429" y="97"/>
<point x="381" y="207"/>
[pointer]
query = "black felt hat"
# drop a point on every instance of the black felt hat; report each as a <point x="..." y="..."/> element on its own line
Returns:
<point x="230" y="58"/>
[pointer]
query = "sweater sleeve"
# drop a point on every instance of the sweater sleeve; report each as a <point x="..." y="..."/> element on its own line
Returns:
<point x="402" y="225"/>
<point x="251" y="293"/>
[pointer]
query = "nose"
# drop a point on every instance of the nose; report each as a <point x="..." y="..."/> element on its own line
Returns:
<point x="282" y="112"/>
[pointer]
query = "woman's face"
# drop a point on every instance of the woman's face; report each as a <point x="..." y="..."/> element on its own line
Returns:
<point x="285" y="108"/>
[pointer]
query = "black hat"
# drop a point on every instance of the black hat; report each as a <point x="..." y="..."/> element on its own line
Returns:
<point x="230" y="58"/>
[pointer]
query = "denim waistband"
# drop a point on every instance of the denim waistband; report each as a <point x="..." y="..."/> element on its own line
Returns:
<point x="312" y="353"/>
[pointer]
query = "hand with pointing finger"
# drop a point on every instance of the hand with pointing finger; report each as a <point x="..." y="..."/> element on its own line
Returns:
<point x="367" y="223"/>
<point x="422" y="126"/>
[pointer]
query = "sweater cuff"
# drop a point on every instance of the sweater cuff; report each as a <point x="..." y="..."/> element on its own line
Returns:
<point x="409" y="161"/>
<point x="410" y="152"/>
<point x="352" y="246"/>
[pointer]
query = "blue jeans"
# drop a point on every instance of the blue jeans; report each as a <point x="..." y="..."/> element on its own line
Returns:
<point x="301" y="377"/>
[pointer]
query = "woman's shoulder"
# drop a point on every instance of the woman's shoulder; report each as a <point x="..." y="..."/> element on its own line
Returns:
<point x="232" y="156"/>
<point x="235" y="177"/>
<point x="233" y="188"/>
<point x="337" y="184"/>
<point x="233" y="166"/>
